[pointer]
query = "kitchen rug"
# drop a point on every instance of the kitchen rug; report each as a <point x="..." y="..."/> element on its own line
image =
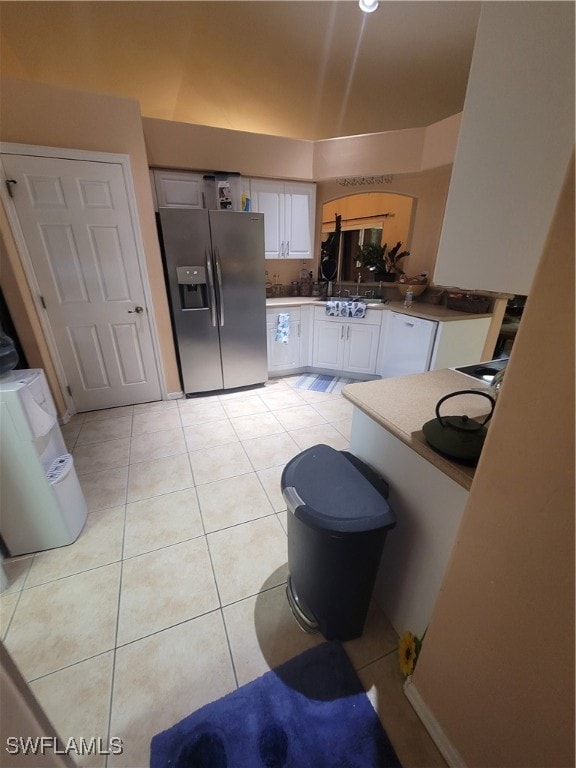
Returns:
<point x="319" y="383"/>
<point x="311" y="712"/>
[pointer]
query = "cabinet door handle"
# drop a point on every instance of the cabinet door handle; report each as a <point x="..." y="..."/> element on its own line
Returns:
<point x="287" y="248"/>
<point x="342" y="332"/>
<point x="347" y="331"/>
<point x="298" y="330"/>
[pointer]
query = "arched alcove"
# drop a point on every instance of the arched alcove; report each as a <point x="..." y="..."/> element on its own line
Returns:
<point x="376" y="217"/>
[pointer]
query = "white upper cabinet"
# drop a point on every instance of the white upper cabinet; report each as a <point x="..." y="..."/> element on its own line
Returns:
<point x="178" y="189"/>
<point x="289" y="209"/>
<point x="515" y="143"/>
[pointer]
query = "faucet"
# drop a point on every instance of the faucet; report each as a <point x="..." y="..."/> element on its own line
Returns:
<point x="358" y="286"/>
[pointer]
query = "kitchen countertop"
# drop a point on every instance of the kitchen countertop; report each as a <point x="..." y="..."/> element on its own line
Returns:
<point x="419" y="309"/>
<point x="403" y="404"/>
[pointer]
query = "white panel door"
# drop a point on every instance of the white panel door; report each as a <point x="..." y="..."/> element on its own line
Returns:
<point x="76" y="221"/>
<point x="329" y="339"/>
<point x="300" y="201"/>
<point x="179" y="189"/>
<point x="361" y="350"/>
<point x="269" y="200"/>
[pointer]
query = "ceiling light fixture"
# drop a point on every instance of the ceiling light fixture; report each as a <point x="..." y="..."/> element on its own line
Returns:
<point x="368" y="5"/>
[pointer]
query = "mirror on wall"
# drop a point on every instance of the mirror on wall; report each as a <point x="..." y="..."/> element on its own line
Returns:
<point x="367" y="217"/>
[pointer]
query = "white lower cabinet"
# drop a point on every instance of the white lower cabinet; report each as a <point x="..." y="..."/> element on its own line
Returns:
<point x="284" y="356"/>
<point x="328" y="349"/>
<point x="346" y="345"/>
<point x="383" y="343"/>
<point x="361" y="348"/>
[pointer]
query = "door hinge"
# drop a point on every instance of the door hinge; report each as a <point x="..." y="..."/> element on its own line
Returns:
<point x="43" y="302"/>
<point x="69" y="390"/>
<point x="9" y="183"/>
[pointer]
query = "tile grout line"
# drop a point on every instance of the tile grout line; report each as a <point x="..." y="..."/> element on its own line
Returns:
<point x="113" y="675"/>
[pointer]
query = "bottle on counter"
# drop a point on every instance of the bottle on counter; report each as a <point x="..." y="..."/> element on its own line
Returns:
<point x="409" y="295"/>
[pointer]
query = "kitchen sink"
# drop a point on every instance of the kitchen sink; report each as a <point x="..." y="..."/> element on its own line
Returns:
<point x="484" y="371"/>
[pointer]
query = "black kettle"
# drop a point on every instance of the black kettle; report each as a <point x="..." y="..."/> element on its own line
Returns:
<point x="458" y="437"/>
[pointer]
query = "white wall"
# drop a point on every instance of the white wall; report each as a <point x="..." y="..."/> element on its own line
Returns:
<point x="516" y="139"/>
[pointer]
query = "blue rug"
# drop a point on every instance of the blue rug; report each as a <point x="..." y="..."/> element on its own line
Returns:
<point x="321" y="383"/>
<point x="311" y="712"/>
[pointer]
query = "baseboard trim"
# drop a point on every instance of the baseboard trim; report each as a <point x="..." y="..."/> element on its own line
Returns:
<point x="174" y="396"/>
<point x="447" y="749"/>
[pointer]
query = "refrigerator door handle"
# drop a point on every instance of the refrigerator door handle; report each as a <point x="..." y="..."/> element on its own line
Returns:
<point x="219" y="280"/>
<point x="211" y="288"/>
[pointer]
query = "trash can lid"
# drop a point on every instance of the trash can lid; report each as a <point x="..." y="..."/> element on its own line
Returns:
<point x="329" y="492"/>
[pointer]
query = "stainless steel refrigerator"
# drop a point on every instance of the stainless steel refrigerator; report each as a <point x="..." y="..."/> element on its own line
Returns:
<point x="215" y="273"/>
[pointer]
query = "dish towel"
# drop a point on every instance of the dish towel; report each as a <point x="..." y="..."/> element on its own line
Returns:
<point x="283" y="328"/>
<point x="345" y="308"/>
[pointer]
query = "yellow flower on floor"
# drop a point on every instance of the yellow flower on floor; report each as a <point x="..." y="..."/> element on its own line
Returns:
<point x="408" y="653"/>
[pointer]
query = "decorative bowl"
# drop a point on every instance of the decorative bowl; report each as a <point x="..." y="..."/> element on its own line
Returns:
<point x="417" y="288"/>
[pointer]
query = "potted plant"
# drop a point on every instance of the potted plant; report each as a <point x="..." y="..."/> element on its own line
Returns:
<point x="384" y="263"/>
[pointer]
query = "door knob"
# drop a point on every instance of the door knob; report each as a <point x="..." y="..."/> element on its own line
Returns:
<point x="138" y="311"/>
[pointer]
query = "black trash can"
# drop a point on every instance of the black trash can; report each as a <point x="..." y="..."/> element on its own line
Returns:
<point x="338" y="518"/>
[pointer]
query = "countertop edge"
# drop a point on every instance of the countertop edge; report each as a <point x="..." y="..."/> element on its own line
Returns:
<point x="434" y="312"/>
<point x="415" y="441"/>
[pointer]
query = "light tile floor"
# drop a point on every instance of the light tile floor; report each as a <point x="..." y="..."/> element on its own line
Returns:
<point x="174" y="593"/>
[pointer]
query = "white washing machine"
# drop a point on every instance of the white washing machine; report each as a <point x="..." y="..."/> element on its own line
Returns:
<point x="41" y="502"/>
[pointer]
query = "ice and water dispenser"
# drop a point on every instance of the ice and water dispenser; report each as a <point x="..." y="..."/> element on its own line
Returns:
<point x="42" y="504"/>
<point x="192" y="287"/>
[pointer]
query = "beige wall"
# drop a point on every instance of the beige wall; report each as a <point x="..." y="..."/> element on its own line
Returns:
<point x="180" y="145"/>
<point x="497" y="665"/>
<point x="33" y="113"/>
<point x="407" y="151"/>
<point x="514" y="146"/>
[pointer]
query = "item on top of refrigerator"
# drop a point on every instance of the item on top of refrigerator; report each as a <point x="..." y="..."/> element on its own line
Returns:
<point x="224" y="196"/>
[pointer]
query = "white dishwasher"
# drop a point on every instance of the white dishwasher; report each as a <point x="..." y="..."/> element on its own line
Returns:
<point x="408" y="346"/>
